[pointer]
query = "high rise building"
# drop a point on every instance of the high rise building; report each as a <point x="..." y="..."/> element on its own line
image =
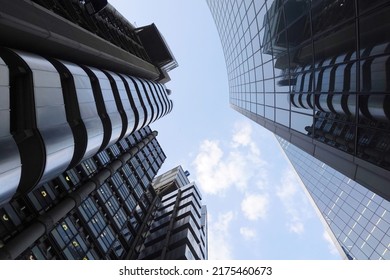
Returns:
<point x="96" y="210"/>
<point x="109" y="207"/>
<point x="315" y="73"/>
<point x="77" y="157"/>
<point x="72" y="85"/>
<point x="357" y="220"/>
<point x="179" y="228"/>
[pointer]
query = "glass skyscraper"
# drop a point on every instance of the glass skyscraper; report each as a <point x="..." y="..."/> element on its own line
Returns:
<point x="357" y="219"/>
<point x="316" y="73"/>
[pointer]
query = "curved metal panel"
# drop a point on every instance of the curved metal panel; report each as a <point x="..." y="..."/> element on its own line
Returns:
<point x="88" y="110"/>
<point x="161" y="103"/>
<point x="10" y="162"/>
<point x="339" y="78"/>
<point x="50" y="116"/>
<point x="337" y="105"/>
<point x="159" y="99"/>
<point x="379" y="75"/>
<point x="379" y="107"/>
<point x="170" y="105"/>
<point x="152" y="98"/>
<point x="351" y="104"/>
<point x="110" y="104"/>
<point x="144" y="100"/>
<point x="323" y="103"/>
<point x="326" y="80"/>
<point x="164" y="97"/>
<point x="293" y="99"/>
<point x="141" y="111"/>
<point x="126" y="103"/>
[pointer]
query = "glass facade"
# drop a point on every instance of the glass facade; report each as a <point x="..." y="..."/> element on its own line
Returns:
<point x="179" y="228"/>
<point x="356" y="218"/>
<point x="315" y="73"/>
<point x="102" y="225"/>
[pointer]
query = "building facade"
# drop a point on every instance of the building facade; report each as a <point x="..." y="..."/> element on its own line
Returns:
<point x="357" y="220"/>
<point x="77" y="157"/>
<point x="95" y="210"/>
<point x="179" y="227"/>
<point x="316" y="74"/>
<point x="60" y="106"/>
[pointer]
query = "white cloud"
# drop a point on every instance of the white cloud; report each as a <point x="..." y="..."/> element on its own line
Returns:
<point x="242" y="135"/>
<point x="219" y="167"/>
<point x="248" y="233"/>
<point x="255" y="206"/>
<point x="215" y="174"/>
<point x="219" y="245"/>
<point x="332" y="248"/>
<point x="297" y="227"/>
<point x="294" y="201"/>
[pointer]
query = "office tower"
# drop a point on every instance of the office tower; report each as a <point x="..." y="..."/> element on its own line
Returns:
<point x="78" y="91"/>
<point x="357" y="219"/>
<point x="316" y="74"/>
<point x="95" y="210"/>
<point x="68" y="93"/>
<point x="179" y="227"/>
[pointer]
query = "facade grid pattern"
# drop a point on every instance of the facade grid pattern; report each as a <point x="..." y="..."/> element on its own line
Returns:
<point x="358" y="218"/>
<point x="315" y="69"/>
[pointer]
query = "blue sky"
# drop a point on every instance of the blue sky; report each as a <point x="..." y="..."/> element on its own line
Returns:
<point x="256" y="206"/>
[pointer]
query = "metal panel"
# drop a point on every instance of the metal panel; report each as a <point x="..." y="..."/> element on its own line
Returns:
<point x="164" y="98"/>
<point x="111" y="108"/>
<point x="145" y="101"/>
<point x="10" y="163"/>
<point x="159" y="99"/>
<point x="124" y="98"/>
<point x="156" y="104"/>
<point x="141" y="111"/>
<point x="50" y="116"/>
<point x="88" y="110"/>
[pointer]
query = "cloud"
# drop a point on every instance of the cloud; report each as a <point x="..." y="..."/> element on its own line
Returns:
<point x="248" y="233"/>
<point x="242" y="137"/>
<point x="219" y="245"/>
<point x="293" y="200"/>
<point x="219" y="166"/>
<point x="297" y="227"/>
<point x="332" y="248"/>
<point x="215" y="174"/>
<point x="255" y="206"/>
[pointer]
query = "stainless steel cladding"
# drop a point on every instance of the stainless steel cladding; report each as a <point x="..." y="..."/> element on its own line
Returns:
<point x="55" y="114"/>
<point x="139" y="106"/>
<point x="51" y="122"/>
<point x="87" y="108"/>
<point x="124" y="102"/>
<point x="10" y="163"/>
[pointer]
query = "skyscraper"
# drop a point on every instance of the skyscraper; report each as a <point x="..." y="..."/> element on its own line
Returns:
<point x="357" y="219"/>
<point x="73" y="93"/>
<point x="77" y="157"/>
<point x="96" y="210"/>
<point x="316" y="74"/>
<point x="179" y="228"/>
